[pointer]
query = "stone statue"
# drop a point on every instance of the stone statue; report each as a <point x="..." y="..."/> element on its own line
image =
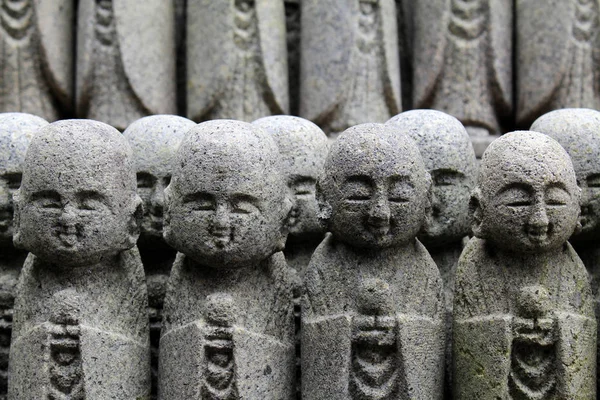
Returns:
<point x="37" y="57"/>
<point x="350" y="63"/>
<point x="462" y="63"/>
<point x="524" y="325"/>
<point x="125" y="60"/>
<point x="558" y="58"/>
<point x="449" y="157"/>
<point x="16" y="130"/>
<point x="303" y="147"/>
<point x="293" y="10"/>
<point x="578" y="132"/>
<point x="373" y="314"/>
<point x="228" y="328"/>
<point x="80" y="322"/>
<point x="154" y="141"/>
<point x="236" y="59"/>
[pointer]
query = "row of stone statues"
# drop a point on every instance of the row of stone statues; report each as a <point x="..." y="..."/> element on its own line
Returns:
<point x="336" y="62"/>
<point x="387" y="308"/>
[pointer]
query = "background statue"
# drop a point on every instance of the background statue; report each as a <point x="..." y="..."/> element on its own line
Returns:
<point x="154" y="141"/>
<point x="229" y="299"/>
<point x="80" y="324"/>
<point x="293" y="11"/>
<point x="125" y="60"/>
<point x="16" y="130"/>
<point x="462" y="63"/>
<point x="373" y="313"/>
<point x="450" y="160"/>
<point x="350" y="70"/>
<point x="524" y="325"/>
<point x="37" y="56"/>
<point x="558" y="56"/>
<point x="236" y="59"/>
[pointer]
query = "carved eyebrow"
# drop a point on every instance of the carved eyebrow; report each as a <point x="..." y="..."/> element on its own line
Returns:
<point x="197" y="196"/>
<point x="518" y="185"/>
<point x="359" y="179"/>
<point x="45" y="194"/>
<point x="400" y="179"/>
<point x="557" y="185"/>
<point x="91" y="195"/>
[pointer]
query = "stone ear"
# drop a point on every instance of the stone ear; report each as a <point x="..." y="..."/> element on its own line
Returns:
<point x="476" y="212"/>
<point x="325" y="209"/>
<point x="167" y="232"/>
<point x="17" y="239"/>
<point x="135" y="221"/>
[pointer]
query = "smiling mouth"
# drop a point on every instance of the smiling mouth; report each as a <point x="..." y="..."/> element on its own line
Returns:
<point x="537" y="235"/>
<point x="221" y="238"/>
<point x="379" y="230"/>
<point x="68" y="239"/>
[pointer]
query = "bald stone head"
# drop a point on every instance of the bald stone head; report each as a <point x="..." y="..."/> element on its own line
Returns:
<point x="527" y="199"/>
<point x="227" y="203"/>
<point x="578" y="131"/>
<point x="375" y="189"/>
<point x="16" y="131"/>
<point x="155" y="140"/>
<point x="449" y="157"/>
<point x="303" y="147"/>
<point x="77" y="205"/>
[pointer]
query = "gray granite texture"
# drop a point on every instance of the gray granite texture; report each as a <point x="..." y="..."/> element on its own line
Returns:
<point x="462" y="62"/>
<point x="524" y="325"/>
<point x="36" y="60"/>
<point x="125" y="60"/>
<point x="154" y="141"/>
<point x="350" y="66"/>
<point x="16" y="130"/>
<point x="80" y="322"/>
<point x="448" y="155"/>
<point x="556" y="56"/>
<point x="228" y="328"/>
<point x="578" y="131"/>
<point x="236" y="59"/>
<point x="373" y="313"/>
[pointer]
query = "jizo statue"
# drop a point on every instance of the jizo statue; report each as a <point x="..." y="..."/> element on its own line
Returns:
<point x="228" y="306"/>
<point x="236" y="59"/>
<point x="578" y="132"/>
<point x="524" y="325"/>
<point x="154" y="141"/>
<point x="373" y="315"/>
<point x="448" y="155"/>
<point x="37" y="57"/>
<point x="125" y="60"/>
<point x="350" y="66"/>
<point x="16" y="130"/>
<point x="80" y="322"/>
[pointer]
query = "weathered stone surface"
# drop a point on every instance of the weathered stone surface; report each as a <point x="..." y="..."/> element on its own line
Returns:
<point x="228" y="329"/>
<point x="236" y="59"/>
<point x="350" y="70"/>
<point x="578" y="131"/>
<point x="125" y="60"/>
<point x="524" y="324"/>
<point x="449" y="157"/>
<point x="154" y="141"/>
<point x="373" y="316"/>
<point x="557" y="56"/>
<point x="37" y="57"/>
<point x="80" y="325"/>
<point x="16" y="130"/>
<point x="462" y="62"/>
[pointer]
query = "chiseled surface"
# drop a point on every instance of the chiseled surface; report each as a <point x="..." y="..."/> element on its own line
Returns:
<point x="373" y="313"/>
<point x="80" y="323"/>
<point x="350" y="66"/>
<point x="16" y="130"/>
<point x="228" y="315"/>
<point x="154" y="141"/>
<point x="524" y="324"/>
<point x="448" y="155"/>
<point x="578" y="132"/>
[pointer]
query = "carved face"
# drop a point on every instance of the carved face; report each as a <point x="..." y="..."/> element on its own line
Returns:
<point x="227" y="203"/>
<point x="76" y="204"/>
<point x="9" y="183"/>
<point x="529" y="197"/>
<point x="578" y="131"/>
<point x="303" y="147"/>
<point x="377" y="187"/>
<point x="449" y="157"/>
<point x="154" y="141"/>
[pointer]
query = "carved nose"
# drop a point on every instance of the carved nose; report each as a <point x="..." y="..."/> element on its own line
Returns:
<point x="539" y="218"/>
<point x="221" y="218"/>
<point x="157" y="201"/>
<point x="379" y="213"/>
<point x="68" y="216"/>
